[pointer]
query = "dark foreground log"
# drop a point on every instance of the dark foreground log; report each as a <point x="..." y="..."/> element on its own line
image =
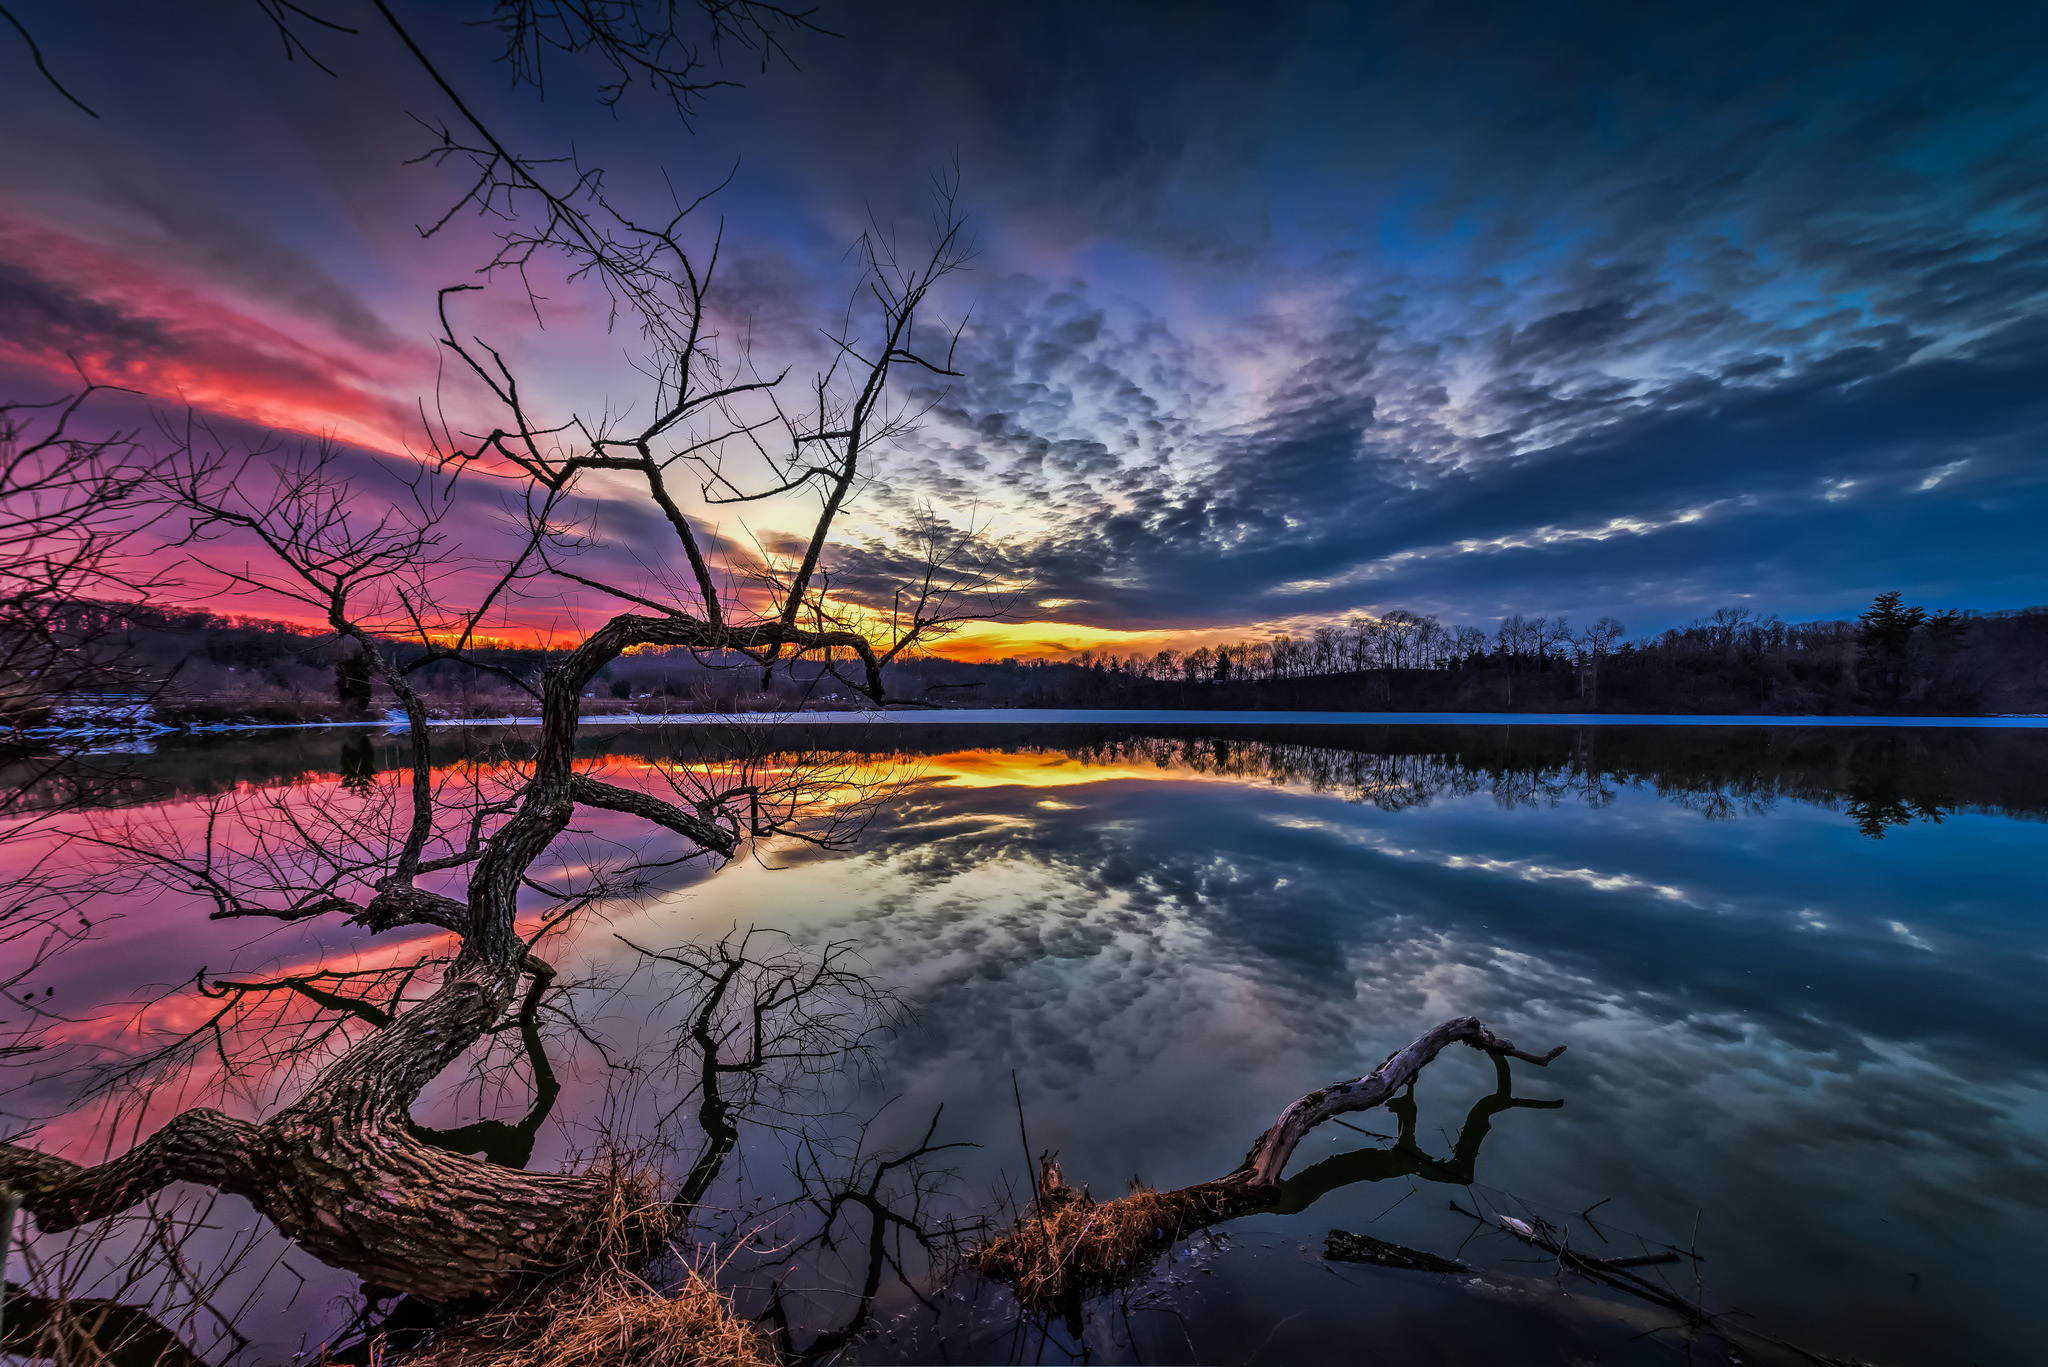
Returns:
<point x="1069" y="1246"/>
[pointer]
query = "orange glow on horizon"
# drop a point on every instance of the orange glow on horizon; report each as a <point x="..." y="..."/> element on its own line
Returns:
<point x="980" y="642"/>
<point x="974" y="643"/>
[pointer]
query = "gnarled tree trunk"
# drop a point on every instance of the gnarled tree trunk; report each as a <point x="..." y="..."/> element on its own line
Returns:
<point x="340" y="1170"/>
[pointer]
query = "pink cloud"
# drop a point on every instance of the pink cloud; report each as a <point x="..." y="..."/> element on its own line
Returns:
<point x="137" y="323"/>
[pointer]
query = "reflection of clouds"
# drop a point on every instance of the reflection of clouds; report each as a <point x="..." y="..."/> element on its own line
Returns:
<point x="1527" y="870"/>
<point x="1774" y="1018"/>
<point x="1905" y="932"/>
<point x="1166" y="964"/>
<point x="995" y="886"/>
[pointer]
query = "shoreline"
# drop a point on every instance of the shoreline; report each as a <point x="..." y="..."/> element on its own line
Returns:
<point x="1044" y="716"/>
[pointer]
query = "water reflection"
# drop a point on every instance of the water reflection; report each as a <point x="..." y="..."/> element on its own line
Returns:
<point x="1814" y="1038"/>
<point x="1798" y="973"/>
<point x="1881" y="776"/>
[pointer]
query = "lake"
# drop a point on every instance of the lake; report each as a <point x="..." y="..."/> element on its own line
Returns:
<point x="1800" y="974"/>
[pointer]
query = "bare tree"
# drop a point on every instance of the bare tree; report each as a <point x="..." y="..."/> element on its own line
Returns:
<point x="68" y="514"/>
<point x="339" y="1168"/>
<point x="509" y="501"/>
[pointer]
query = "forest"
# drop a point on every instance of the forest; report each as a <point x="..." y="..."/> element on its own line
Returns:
<point x="1894" y="658"/>
<point x="203" y="668"/>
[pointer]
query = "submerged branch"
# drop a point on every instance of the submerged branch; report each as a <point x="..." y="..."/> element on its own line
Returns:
<point x="1069" y="1246"/>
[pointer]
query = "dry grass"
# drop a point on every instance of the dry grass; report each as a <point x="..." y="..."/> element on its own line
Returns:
<point x="609" y="1321"/>
<point x="601" y="1313"/>
<point x="1070" y="1246"/>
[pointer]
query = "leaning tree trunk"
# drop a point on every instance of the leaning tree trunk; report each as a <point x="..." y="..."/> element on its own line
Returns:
<point x="340" y="1170"/>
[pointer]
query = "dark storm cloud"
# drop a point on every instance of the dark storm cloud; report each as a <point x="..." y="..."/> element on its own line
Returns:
<point x="40" y="313"/>
<point x="1567" y="268"/>
<point x="1590" y="307"/>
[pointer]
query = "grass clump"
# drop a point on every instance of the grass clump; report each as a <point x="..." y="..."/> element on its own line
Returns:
<point x="1070" y="1246"/>
<point x="601" y="1312"/>
<point x="609" y="1321"/>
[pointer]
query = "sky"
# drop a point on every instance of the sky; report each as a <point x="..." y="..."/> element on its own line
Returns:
<point x="1274" y="315"/>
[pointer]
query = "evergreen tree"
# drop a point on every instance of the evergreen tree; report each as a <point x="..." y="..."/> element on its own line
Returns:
<point x="1886" y="634"/>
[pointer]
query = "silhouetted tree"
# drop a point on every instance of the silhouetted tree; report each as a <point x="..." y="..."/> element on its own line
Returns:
<point x="352" y="680"/>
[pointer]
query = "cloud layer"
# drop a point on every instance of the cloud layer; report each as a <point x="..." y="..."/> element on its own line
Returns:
<point x="1591" y="309"/>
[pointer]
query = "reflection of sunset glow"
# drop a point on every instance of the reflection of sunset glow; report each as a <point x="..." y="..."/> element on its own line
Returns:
<point x="979" y="642"/>
<point x="108" y="1027"/>
<point x="1045" y="769"/>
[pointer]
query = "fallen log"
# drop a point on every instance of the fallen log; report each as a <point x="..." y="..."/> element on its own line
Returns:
<point x="1345" y="1246"/>
<point x="1069" y="1246"/>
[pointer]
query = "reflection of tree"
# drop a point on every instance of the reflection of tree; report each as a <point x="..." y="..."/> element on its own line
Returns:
<point x="1876" y="809"/>
<point x="875" y="1208"/>
<point x="759" y="1032"/>
<point x="1889" y="786"/>
<point x="357" y="764"/>
<point x="1720" y="772"/>
<point x="1406" y="1157"/>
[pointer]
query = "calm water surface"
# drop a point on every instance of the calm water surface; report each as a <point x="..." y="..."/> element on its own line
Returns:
<point x="1799" y="974"/>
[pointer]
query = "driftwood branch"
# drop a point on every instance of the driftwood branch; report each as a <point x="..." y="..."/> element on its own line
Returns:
<point x="1270" y="1152"/>
<point x="1069" y="1246"/>
<point x="1344" y="1246"/>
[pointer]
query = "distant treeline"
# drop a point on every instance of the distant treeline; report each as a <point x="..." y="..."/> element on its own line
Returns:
<point x="203" y="667"/>
<point x="1894" y="658"/>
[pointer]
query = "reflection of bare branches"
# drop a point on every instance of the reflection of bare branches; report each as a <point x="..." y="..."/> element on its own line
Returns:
<point x="511" y="1142"/>
<point x="40" y="917"/>
<point x="752" y="784"/>
<point x="1651" y="1307"/>
<point x="889" y="1193"/>
<point x="69" y="515"/>
<point x="79" y="1302"/>
<point x="759" y="1035"/>
<point x="268" y="1027"/>
<point x="291" y="853"/>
